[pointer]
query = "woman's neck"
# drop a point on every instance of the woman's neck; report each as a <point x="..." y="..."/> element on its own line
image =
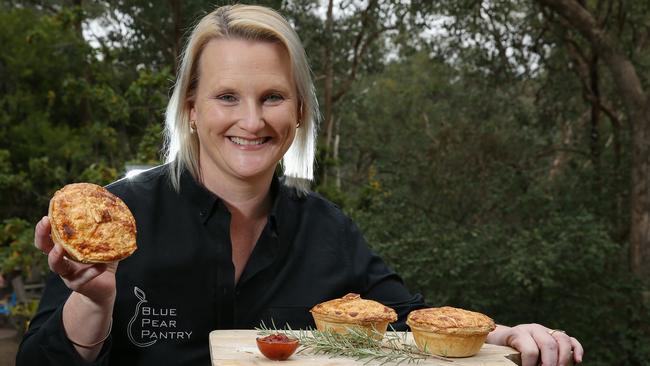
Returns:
<point x="245" y="199"/>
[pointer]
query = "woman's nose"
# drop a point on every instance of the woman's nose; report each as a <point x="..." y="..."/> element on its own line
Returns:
<point x="252" y="118"/>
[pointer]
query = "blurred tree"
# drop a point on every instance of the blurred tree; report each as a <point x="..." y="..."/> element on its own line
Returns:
<point x="455" y="193"/>
<point x="152" y="34"/>
<point x="591" y="22"/>
<point x="48" y="74"/>
<point x="348" y="42"/>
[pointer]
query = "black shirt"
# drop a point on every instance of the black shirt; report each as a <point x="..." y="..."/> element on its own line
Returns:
<point x="179" y="285"/>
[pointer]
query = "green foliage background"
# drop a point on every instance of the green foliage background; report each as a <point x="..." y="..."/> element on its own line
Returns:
<point x="447" y="155"/>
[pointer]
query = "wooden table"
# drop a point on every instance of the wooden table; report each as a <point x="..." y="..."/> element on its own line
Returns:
<point x="238" y="347"/>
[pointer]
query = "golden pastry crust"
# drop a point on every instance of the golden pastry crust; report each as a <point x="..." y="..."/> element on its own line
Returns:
<point x="449" y="332"/>
<point x="351" y="308"/>
<point x="351" y="312"/>
<point x="450" y="320"/>
<point x="92" y="224"/>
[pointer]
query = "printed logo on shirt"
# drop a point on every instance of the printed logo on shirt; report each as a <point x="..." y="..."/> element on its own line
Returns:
<point x="152" y="324"/>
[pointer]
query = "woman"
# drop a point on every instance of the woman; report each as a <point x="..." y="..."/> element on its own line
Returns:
<point x="223" y="242"/>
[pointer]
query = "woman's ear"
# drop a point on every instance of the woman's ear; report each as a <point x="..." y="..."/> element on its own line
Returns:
<point x="192" y="108"/>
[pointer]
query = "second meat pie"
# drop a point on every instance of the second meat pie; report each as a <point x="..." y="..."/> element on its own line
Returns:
<point x="448" y="331"/>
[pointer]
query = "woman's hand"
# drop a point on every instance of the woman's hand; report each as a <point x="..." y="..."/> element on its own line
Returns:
<point x="539" y="344"/>
<point x="96" y="282"/>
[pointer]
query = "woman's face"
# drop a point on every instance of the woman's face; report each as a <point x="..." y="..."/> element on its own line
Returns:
<point x="245" y="108"/>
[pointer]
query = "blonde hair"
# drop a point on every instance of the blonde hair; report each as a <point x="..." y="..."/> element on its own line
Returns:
<point x="248" y="22"/>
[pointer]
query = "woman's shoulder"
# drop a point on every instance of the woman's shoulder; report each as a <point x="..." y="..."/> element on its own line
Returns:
<point x="141" y="182"/>
<point x="311" y="204"/>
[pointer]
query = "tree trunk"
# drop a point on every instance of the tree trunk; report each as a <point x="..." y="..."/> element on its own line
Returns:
<point x="594" y="136"/>
<point x="640" y="198"/>
<point x="19" y="288"/>
<point x="78" y="21"/>
<point x="84" y="103"/>
<point x="364" y="38"/>
<point x="177" y="19"/>
<point x="563" y="156"/>
<point x="329" y="86"/>
<point x="637" y="105"/>
<point x="336" y="157"/>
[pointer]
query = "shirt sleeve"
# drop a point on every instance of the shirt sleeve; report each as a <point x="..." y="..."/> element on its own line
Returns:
<point x="380" y="283"/>
<point x="45" y="342"/>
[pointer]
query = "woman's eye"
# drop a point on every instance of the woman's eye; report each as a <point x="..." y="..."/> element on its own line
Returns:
<point x="227" y="98"/>
<point x="273" y="98"/>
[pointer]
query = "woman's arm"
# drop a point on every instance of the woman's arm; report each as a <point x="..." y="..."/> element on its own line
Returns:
<point x="70" y="325"/>
<point x="87" y="324"/>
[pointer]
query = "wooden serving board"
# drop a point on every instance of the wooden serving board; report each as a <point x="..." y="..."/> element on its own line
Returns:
<point x="238" y="347"/>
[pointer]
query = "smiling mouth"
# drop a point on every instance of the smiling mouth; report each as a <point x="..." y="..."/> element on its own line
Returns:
<point x="248" y="142"/>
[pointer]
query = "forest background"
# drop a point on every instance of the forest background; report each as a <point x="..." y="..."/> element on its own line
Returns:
<point x="495" y="153"/>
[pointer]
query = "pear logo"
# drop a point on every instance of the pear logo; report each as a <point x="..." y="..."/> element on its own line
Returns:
<point x="152" y="323"/>
<point x="143" y="299"/>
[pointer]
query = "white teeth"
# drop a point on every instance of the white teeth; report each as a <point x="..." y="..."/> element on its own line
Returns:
<point x="241" y="141"/>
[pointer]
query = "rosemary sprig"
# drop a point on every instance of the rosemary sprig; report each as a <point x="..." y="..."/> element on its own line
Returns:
<point x="356" y="344"/>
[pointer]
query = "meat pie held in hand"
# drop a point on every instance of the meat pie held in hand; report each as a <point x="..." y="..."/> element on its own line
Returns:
<point x="92" y="224"/>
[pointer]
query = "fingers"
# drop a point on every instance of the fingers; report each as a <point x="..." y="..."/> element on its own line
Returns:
<point x="59" y="264"/>
<point x="538" y="344"/>
<point x="75" y="275"/>
<point x="564" y="348"/>
<point x="525" y="344"/>
<point x="578" y="351"/>
<point x="42" y="239"/>
<point x="548" y="346"/>
<point x="85" y="275"/>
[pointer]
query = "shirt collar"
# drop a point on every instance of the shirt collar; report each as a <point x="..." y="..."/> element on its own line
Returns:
<point x="284" y="215"/>
<point x="199" y="196"/>
<point x="276" y="192"/>
<point x="207" y="202"/>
